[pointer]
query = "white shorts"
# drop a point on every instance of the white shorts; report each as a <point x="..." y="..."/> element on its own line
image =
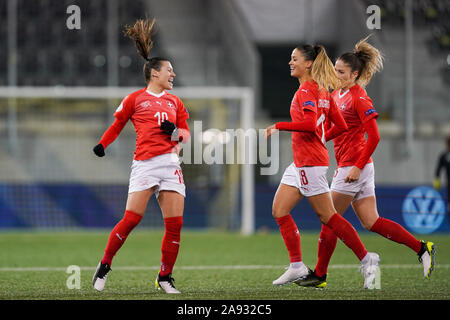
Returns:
<point x="362" y="188"/>
<point x="163" y="171"/>
<point x="310" y="181"/>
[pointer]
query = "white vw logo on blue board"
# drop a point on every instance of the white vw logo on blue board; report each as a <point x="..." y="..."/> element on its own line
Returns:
<point x="423" y="210"/>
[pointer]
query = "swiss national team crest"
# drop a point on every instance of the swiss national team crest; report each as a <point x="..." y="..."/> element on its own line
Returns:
<point x="170" y="105"/>
<point x="342" y="107"/>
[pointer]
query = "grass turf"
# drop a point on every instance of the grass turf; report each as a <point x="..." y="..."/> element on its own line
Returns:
<point x="204" y="269"/>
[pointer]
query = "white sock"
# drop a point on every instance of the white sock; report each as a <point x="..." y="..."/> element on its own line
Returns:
<point x="297" y="265"/>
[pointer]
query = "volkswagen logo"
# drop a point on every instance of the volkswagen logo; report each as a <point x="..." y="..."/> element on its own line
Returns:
<point x="423" y="210"/>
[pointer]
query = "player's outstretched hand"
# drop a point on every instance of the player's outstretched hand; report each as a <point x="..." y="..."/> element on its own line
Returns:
<point x="99" y="150"/>
<point x="168" y="127"/>
<point x="270" y="130"/>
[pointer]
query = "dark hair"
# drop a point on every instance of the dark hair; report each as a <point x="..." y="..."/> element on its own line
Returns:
<point x="141" y="34"/>
<point x="365" y="59"/>
<point x="309" y="52"/>
<point x="322" y="69"/>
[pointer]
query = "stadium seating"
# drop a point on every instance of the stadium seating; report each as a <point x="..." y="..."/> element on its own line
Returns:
<point x="433" y="15"/>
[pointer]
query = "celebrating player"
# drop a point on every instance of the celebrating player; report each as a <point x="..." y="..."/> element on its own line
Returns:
<point x="159" y="119"/>
<point x="306" y="176"/>
<point x="353" y="182"/>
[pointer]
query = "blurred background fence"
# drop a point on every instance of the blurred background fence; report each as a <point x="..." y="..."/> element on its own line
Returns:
<point x="49" y="177"/>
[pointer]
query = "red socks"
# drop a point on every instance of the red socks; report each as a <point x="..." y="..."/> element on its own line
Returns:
<point x="327" y="244"/>
<point x="395" y="232"/>
<point x="345" y="231"/>
<point x="119" y="234"/>
<point x="291" y="237"/>
<point x="170" y="244"/>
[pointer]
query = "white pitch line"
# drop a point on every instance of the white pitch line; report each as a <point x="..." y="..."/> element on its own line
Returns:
<point x="236" y="267"/>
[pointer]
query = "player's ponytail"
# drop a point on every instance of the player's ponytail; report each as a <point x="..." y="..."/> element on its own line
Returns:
<point x="322" y="69"/>
<point x="141" y="33"/>
<point x="366" y="59"/>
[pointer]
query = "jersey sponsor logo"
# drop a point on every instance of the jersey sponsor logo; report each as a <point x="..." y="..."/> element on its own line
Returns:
<point x="324" y="103"/>
<point x="369" y="112"/>
<point x="423" y="210"/>
<point x="308" y="103"/>
<point x="304" y="90"/>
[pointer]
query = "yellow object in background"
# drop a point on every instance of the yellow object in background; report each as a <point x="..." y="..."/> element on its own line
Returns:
<point x="437" y="183"/>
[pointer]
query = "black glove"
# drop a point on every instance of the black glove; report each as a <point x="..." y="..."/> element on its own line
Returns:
<point x="168" y="127"/>
<point x="99" y="150"/>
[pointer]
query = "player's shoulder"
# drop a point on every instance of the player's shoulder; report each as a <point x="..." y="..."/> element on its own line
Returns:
<point x="309" y="87"/>
<point x="359" y="93"/>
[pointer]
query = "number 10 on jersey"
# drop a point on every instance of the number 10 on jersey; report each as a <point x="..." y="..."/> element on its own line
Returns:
<point x="162" y="116"/>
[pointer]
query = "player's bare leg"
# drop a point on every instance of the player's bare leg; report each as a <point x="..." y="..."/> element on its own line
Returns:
<point x="172" y="207"/>
<point x="284" y="201"/>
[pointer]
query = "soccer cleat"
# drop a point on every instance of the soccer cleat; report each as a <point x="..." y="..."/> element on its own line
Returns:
<point x="100" y="275"/>
<point x="166" y="284"/>
<point x="312" y="280"/>
<point x="426" y="257"/>
<point x="291" y="275"/>
<point x="369" y="269"/>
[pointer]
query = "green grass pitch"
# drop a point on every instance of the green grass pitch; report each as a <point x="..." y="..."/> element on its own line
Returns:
<point x="211" y="265"/>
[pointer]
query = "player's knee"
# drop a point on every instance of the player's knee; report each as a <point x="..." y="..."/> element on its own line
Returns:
<point x="367" y="225"/>
<point x="278" y="212"/>
<point x="323" y="217"/>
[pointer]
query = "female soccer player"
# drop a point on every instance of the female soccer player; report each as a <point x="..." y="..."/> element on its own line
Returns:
<point x="353" y="182"/>
<point x="159" y="119"/>
<point x="306" y="176"/>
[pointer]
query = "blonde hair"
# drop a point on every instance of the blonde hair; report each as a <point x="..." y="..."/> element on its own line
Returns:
<point x="322" y="69"/>
<point x="366" y="59"/>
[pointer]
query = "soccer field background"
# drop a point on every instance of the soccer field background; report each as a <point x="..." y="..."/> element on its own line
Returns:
<point x="211" y="266"/>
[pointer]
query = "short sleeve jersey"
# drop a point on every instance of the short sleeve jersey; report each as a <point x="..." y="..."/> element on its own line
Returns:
<point x="147" y="111"/>
<point x="309" y="147"/>
<point x="356" y="108"/>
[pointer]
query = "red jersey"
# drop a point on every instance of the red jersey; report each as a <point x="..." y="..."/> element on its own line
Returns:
<point x="309" y="147"/>
<point x="147" y="110"/>
<point x="356" y="108"/>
